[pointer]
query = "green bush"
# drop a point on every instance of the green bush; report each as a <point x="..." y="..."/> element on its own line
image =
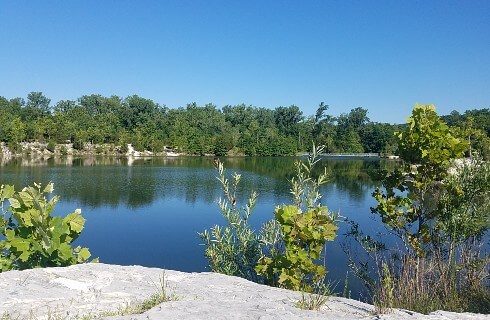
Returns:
<point x="32" y="237"/>
<point x="123" y="149"/>
<point x="439" y="206"/>
<point x="14" y="147"/>
<point x="287" y="249"/>
<point x="157" y="145"/>
<point x="304" y="236"/>
<point x="305" y="227"/>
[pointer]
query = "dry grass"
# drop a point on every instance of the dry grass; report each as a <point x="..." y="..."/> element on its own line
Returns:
<point x="425" y="285"/>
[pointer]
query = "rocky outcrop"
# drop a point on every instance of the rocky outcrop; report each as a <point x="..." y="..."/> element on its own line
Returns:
<point x="95" y="290"/>
<point x="5" y="154"/>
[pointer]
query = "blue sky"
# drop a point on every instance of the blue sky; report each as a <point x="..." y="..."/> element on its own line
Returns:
<point x="381" y="55"/>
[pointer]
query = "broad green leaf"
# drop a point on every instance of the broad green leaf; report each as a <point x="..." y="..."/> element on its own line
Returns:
<point x="83" y="255"/>
<point x="75" y="221"/>
<point x="20" y="244"/>
<point x="7" y="191"/>
<point x="14" y="203"/>
<point x="65" y="251"/>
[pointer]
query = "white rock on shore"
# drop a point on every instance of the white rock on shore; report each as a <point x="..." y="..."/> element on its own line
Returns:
<point x="95" y="289"/>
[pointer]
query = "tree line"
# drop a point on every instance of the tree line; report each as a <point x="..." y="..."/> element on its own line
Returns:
<point x="199" y="130"/>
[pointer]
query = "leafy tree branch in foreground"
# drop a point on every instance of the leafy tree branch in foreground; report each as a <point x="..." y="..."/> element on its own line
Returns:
<point x="33" y="237"/>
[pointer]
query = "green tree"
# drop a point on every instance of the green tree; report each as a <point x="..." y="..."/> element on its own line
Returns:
<point x="16" y="131"/>
<point x="408" y="203"/>
<point x="287" y="119"/>
<point x="37" y="106"/>
<point x="377" y="137"/>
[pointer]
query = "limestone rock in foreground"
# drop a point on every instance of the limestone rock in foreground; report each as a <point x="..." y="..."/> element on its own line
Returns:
<point x="96" y="289"/>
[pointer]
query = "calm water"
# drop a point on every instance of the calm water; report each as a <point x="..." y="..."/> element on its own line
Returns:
<point x="149" y="211"/>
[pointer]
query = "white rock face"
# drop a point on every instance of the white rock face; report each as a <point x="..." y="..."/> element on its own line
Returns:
<point x="95" y="289"/>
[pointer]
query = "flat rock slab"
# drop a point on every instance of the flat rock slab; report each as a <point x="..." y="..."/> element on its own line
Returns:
<point x="92" y="291"/>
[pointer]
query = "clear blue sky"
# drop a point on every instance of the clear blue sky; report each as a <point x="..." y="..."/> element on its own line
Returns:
<point x="381" y="55"/>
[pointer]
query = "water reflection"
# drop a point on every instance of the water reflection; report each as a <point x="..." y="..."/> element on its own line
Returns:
<point x="136" y="182"/>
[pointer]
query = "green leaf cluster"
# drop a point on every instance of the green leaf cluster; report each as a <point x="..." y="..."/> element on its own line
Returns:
<point x="428" y="143"/>
<point x="32" y="236"/>
<point x="304" y="236"/>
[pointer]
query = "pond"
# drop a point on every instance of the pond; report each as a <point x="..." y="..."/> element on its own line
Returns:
<point x="149" y="211"/>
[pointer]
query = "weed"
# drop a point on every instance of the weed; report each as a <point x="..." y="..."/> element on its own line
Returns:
<point x="314" y="301"/>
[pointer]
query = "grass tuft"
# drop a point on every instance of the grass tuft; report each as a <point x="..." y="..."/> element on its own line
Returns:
<point x="315" y="300"/>
<point x="155" y="299"/>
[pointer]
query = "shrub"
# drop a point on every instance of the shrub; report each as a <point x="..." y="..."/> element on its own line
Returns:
<point x="14" y="147"/>
<point x="235" y="248"/>
<point x="305" y="227"/>
<point x="304" y="236"/>
<point x="63" y="150"/>
<point x="123" y="149"/>
<point x="32" y="236"/>
<point x="157" y="145"/>
<point x="464" y="202"/>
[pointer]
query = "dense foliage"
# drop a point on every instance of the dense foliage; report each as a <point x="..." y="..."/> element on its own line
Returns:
<point x="32" y="236"/>
<point x="474" y="127"/>
<point x="193" y="129"/>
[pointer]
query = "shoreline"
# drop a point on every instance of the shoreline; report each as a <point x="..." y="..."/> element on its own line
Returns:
<point x="37" y="150"/>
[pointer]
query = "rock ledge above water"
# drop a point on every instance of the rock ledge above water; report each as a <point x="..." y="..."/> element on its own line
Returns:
<point x="72" y="292"/>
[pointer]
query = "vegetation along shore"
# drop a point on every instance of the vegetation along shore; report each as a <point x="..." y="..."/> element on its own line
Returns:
<point x="94" y="124"/>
